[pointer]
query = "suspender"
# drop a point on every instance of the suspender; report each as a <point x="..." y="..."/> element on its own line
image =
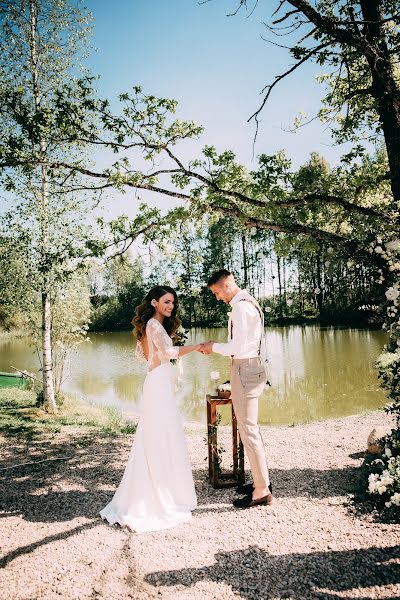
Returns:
<point x="255" y="304"/>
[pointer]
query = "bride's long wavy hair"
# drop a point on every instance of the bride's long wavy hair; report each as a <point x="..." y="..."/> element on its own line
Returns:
<point x="145" y="311"/>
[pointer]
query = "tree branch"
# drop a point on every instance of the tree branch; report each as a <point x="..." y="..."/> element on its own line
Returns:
<point x="336" y="200"/>
<point x="280" y="227"/>
<point x="360" y="92"/>
<point x="286" y="16"/>
<point x="328" y="25"/>
<point x="256" y="202"/>
<point x="283" y="75"/>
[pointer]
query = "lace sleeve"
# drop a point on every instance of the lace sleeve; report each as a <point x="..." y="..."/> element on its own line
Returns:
<point x="139" y="354"/>
<point x="161" y="340"/>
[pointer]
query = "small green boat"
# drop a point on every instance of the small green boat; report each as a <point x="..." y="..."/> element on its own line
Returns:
<point x="10" y="380"/>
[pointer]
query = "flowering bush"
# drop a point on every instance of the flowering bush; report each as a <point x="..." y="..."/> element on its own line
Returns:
<point x="384" y="481"/>
<point x="384" y="478"/>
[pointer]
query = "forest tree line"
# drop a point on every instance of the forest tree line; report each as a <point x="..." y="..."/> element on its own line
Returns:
<point x="296" y="279"/>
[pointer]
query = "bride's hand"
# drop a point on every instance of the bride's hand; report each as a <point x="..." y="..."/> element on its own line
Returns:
<point x="206" y="347"/>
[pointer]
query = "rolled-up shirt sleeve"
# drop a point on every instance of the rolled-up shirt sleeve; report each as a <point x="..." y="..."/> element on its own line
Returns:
<point x="240" y="313"/>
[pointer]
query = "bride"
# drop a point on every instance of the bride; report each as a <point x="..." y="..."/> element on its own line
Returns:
<point x="157" y="490"/>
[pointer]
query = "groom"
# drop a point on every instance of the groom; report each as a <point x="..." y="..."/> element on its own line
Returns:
<point x="245" y="329"/>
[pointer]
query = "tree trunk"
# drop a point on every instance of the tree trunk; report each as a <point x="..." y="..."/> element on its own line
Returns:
<point x="319" y="283"/>
<point x="48" y="386"/>
<point x="384" y="87"/>
<point x="284" y="282"/>
<point x="280" y="304"/>
<point x="301" y="295"/>
<point x="245" y="270"/>
<point x="48" y="382"/>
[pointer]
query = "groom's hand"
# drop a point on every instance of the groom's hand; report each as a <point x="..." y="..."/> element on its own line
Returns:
<point x="206" y="348"/>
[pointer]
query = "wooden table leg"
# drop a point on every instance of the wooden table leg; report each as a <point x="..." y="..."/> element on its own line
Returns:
<point x="214" y="440"/>
<point x="208" y="437"/>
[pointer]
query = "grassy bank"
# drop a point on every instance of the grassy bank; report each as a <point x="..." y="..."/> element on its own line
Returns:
<point x="19" y="416"/>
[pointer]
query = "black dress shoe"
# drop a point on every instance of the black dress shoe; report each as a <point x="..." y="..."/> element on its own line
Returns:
<point x="248" y="489"/>
<point x="248" y="502"/>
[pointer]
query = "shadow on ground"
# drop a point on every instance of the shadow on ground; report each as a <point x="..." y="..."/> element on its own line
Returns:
<point x="88" y="471"/>
<point x="254" y="574"/>
<point x="62" y="480"/>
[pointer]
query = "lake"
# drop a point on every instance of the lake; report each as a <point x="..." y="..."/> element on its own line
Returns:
<point x="317" y="372"/>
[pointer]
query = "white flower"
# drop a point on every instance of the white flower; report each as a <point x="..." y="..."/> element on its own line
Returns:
<point x="393" y="246"/>
<point x="225" y="387"/>
<point x="386" y="359"/>
<point x="378" y="250"/>
<point x="372" y="482"/>
<point x="388" y="451"/>
<point x="214" y="375"/>
<point x="168" y="248"/>
<point x="381" y="489"/>
<point x="289" y="302"/>
<point x="317" y="291"/>
<point x="267" y="309"/>
<point x="395" y="499"/>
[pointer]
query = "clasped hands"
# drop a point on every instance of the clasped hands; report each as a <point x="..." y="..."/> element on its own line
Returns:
<point x="205" y="347"/>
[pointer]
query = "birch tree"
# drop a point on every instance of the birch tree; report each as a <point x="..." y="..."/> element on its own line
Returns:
<point x="39" y="42"/>
<point x="46" y="114"/>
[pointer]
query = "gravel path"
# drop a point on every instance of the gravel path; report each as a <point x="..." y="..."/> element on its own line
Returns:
<point x="308" y="545"/>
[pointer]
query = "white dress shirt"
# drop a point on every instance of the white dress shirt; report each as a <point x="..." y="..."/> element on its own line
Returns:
<point x="246" y="330"/>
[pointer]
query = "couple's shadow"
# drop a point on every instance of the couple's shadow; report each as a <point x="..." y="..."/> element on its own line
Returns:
<point x="33" y="491"/>
<point x="255" y="574"/>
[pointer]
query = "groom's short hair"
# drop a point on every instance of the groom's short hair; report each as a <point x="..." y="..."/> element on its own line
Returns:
<point x="217" y="276"/>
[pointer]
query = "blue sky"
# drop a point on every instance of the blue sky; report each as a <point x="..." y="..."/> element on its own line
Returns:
<point x="215" y="66"/>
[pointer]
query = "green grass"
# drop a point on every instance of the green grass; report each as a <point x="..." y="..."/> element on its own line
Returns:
<point x="19" y="416"/>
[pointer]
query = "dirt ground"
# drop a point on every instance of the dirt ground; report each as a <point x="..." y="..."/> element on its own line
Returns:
<point x="309" y="544"/>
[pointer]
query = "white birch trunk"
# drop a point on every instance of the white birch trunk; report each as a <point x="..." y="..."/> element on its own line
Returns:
<point x="48" y="380"/>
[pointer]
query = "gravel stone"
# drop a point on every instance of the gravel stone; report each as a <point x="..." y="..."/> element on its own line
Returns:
<point x="308" y="545"/>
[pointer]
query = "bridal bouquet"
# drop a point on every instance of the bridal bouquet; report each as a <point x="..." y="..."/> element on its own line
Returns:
<point x="180" y="337"/>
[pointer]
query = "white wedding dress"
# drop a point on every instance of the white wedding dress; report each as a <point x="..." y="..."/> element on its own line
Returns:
<point x="157" y="489"/>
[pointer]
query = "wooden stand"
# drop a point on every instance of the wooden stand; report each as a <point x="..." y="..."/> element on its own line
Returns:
<point x="217" y="478"/>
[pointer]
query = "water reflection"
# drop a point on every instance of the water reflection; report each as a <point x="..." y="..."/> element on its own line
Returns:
<point x="316" y="372"/>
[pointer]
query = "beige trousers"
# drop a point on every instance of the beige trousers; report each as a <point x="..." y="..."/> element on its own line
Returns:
<point x="247" y="383"/>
